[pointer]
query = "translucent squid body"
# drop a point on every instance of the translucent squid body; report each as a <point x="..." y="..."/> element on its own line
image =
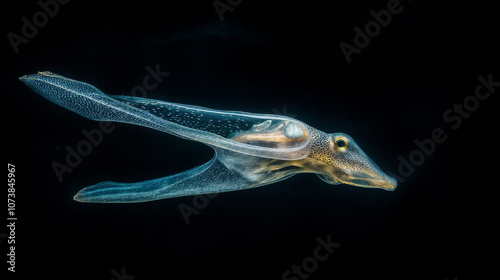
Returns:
<point x="251" y="150"/>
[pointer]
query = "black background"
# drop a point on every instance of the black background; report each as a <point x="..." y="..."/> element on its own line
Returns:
<point x="264" y="57"/>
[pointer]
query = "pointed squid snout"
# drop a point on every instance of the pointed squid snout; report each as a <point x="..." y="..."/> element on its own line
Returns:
<point x="354" y="167"/>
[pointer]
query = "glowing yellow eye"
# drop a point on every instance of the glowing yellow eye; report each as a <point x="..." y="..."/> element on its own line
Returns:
<point x="341" y="142"/>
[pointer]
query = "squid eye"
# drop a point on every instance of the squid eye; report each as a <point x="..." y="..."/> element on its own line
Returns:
<point x="341" y="142"/>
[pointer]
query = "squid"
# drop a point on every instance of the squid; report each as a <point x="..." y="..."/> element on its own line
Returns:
<point x="251" y="150"/>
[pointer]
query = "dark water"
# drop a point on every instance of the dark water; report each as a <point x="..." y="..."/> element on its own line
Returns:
<point x="280" y="57"/>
